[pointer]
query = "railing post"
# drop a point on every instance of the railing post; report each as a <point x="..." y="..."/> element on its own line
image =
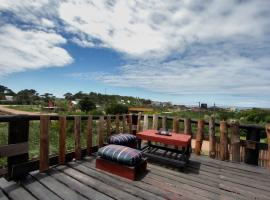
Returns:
<point x="62" y="139"/>
<point x="44" y="143"/>
<point x="124" y="125"/>
<point x="130" y="123"/>
<point x="199" y="137"/>
<point x="108" y="125"/>
<point x="100" y="131"/>
<point x="164" y="123"/>
<point x="224" y="152"/>
<point x="145" y="122"/>
<point x="212" y="138"/>
<point x="117" y="123"/>
<point x="235" y="141"/>
<point x="18" y="132"/>
<point x="187" y="126"/>
<point x="267" y="129"/>
<point x="134" y="123"/>
<point x="155" y="122"/>
<point x="175" y="125"/>
<point x="252" y="152"/>
<point x="139" y="122"/>
<point x="77" y="136"/>
<point x="89" y="134"/>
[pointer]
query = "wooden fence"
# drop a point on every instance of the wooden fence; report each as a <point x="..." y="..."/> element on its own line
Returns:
<point x="224" y="139"/>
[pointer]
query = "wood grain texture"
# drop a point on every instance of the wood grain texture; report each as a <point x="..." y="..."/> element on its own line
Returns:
<point x="267" y="129"/>
<point x="139" y="128"/>
<point x="145" y="122"/>
<point x="187" y="126"/>
<point x="199" y="137"/>
<point x="175" y="125"/>
<point x="77" y="137"/>
<point x="44" y="143"/>
<point x="14" y="149"/>
<point x="62" y="139"/>
<point x="117" y="123"/>
<point x="235" y="141"/>
<point x="130" y="123"/>
<point x="108" y="125"/>
<point x="155" y="122"/>
<point x="101" y="131"/>
<point x="164" y="122"/>
<point x="124" y="123"/>
<point x="224" y="151"/>
<point x="89" y="133"/>
<point x="212" y="138"/>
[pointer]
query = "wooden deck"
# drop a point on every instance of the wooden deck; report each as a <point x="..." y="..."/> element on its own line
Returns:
<point x="204" y="178"/>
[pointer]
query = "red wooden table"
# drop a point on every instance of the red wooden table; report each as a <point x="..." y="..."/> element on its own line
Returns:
<point x="181" y="154"/>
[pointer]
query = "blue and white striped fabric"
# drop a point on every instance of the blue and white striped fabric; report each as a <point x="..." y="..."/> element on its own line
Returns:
<point x="120" y="154"/>
<point x="122" y="139"/>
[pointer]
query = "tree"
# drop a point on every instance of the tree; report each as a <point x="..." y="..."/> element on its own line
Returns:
<point x="68" y="96"/>
<point x="27" y="96"/>
<point x="114" y="109"/>
<point x="48" y="97"/>
<point x="86" y="104"/>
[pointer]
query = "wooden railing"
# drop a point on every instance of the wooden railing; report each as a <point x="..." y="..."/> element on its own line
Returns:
<point x="224" y="139"/>
<point x="17" y="149"/>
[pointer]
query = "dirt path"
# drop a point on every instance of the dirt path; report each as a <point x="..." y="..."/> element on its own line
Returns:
<point x="5" y="109"/>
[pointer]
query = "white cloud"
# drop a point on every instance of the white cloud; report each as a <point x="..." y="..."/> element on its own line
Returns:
<point x="29" y="49"/>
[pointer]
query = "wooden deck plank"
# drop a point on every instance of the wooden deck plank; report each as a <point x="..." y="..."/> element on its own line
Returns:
<point x="77" y="186"/>
<point x="57" y="187"/>
<point x="98" y="185"/>
<point x="15" y="191"/>
<point x="38" y="190"/>
<point x="3" y="196"/>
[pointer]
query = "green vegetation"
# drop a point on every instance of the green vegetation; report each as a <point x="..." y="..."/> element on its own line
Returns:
<point x="86" y="104"/>
<point x="114" y="109"/>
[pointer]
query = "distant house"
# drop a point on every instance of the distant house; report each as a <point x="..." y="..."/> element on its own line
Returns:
<point x="9" y="98"/>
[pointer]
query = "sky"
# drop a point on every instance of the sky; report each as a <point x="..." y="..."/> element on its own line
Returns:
<point x="183" y="51"/>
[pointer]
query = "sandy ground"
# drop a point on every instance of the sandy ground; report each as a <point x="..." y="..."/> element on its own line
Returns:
<point x="5" y="109"/>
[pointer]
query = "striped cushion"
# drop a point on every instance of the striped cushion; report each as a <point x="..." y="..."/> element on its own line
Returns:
<point x="120" y="154"/>
<point x="122" y="139"/>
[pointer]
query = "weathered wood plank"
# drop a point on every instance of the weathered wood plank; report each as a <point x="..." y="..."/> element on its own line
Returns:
<point x="77" y="137"/>
<point x="77" y="186"/>
<point x="212" y="138"/>
<point x="101" y="131"/>
<point x="124" y="123"/>
<point x="187" y="126"/>
<point x="224" y="151"/>
<point x="14" y="149"/>
<point x="267" y="129"/>
<point x="117" y="123"/>
<point x="164" y="123"/>
<point x="155" y="122"/>
<point x="44" y="143"/>
<point x="108" y="125"/>
<point x="130" y="123"/>
<point x="145" y="122"/>
<point x="175" y="125"/>
<point x="235" y="142"/>
<point x="62" y="139"/>
<point x="57" y="187"/>
<point x="37" y="189"/>
<point x="89" y="133"/>
<point x="199" y="137"/>
<point x="139" y="122"/>
<point x="14" y="191"/>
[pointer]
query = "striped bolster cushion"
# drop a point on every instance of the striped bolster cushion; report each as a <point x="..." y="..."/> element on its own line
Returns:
<point x="120" y="154"/>
<point x="122" y="139"/>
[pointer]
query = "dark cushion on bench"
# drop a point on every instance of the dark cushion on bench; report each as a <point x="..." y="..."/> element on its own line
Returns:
<point x="120" y="154"/>
<point x="122" y="139"/>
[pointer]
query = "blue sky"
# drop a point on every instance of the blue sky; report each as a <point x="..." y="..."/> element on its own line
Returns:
<point x="179" y="51"/>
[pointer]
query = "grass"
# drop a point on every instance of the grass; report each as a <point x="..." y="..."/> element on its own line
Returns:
<point x="27" y="108"/>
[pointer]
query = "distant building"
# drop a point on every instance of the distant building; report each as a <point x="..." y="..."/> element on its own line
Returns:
<point x="203" y="105"/>
<point x="9" y="98"/>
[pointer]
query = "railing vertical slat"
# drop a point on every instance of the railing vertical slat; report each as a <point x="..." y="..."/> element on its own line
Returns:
<point x="145" y="122"/>
<point x="124" y="125"/>
<point x="155" y="122"/>
<point x="108" y="125"/>
<point x="130" y="123"/>
<point x="164" y="123"/>
<point x="199" y="137"/>
<point x="77" y="136"/>
<point x="62" y="139"/>
<point x="101" y="131"/>
<point x="44" y="143"/>
<point x="139" y="122"/>
<point x="187" y="126"/>
<point x="18" y="132"/>
<point x="89" y="134"/>
<point x="117" y="123"/>
<point x="212" y="138"/>
<point x="224" y="152"/>
<point x="267" y="129"/>
<point x="235" y="142"/>
<point x="175" y="125"/>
